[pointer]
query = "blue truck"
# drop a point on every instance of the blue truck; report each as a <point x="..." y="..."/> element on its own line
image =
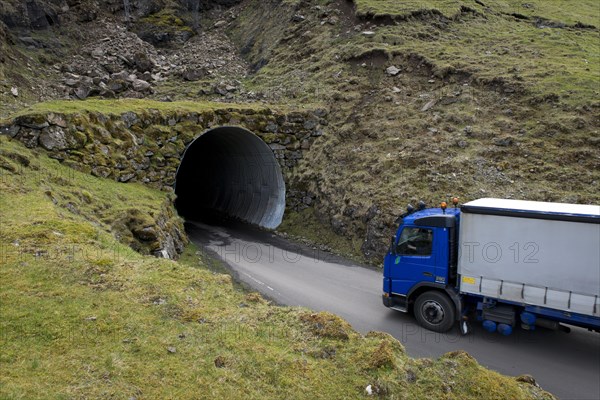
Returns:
<point x="505" y="263"/>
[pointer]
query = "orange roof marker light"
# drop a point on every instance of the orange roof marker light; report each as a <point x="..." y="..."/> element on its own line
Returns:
<point x="443" y="206"/>
<point x="455" y="201"/>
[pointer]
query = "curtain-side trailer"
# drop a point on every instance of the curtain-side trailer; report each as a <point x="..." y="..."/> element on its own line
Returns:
<point x="504" y="262"/>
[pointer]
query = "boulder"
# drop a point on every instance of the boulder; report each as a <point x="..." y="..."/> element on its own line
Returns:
<point x="9" y="130"/>
<point x="71" y="82"/>
<point x="53" y="138"/>
<point x="29" y="137"/>
<point x="310" y="124"/>
<point x="220" y="89"/>
<point x="130" y="118"/>
<point x="122" y="75"/>
<point x="35" y="121"/>
<point x="194" y="74"/>
<point x="82" y="92"/>
<point x="142" y="62"/>
<point x="97" y="53"/>
<point x="392" y="70"/>
<point x="140" y="85"/>
<point x="117" y="85"/>
<point x="429" y="105"/>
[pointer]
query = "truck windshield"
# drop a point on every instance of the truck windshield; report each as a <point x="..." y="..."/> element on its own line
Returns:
<point x="415" y="241"/>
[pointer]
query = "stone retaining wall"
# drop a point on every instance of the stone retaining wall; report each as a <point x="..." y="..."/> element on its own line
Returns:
<point x="148" y="146"/>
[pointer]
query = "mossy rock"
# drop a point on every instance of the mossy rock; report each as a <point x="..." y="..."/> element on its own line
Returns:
<point x="163" y="30"/>
<point x="34" y="121"/>
<point x="138" y="230"/>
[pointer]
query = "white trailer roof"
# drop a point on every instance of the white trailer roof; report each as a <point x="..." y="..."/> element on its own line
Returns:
<point x="535" y="207"/>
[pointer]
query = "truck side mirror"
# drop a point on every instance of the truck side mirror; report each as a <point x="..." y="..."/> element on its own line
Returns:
<point x="393" y="244"/>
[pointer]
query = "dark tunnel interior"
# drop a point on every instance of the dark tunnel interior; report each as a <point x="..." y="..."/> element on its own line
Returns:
<point x="229" y="170"/>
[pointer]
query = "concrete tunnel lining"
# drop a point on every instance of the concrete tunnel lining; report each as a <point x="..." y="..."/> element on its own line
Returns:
<point x="232" y="171"/>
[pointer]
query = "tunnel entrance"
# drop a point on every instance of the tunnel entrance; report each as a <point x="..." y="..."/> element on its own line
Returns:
<point x="229" y="170"/>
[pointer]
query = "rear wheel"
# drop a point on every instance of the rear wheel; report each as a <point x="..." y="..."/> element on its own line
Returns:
<point x="434" y="311"/>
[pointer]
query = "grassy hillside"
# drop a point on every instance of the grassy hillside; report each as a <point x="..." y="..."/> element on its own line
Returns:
<point x="489" y="98"/>
<point x="117" y="107"/>
<point x="585" y="11"/>
<point x="544" y="48"/>
<point x="84" y="316"/>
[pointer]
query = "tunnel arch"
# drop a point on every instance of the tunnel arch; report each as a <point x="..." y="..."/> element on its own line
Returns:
<point x="231" y="171"/>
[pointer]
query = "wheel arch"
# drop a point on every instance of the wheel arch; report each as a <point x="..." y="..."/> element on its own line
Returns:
<point x="423" y="287"/>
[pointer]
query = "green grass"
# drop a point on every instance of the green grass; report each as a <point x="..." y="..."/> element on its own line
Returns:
<point x="493" y="78"/>
<point x="568" y="12"/>
<point x="166" y="18"/>
<point x="84" y="316"/>
<point x="585" y="11"/>
<point x="491" y="46"/>
<point x="543" y="61"/>
<point x="110" y="107"/>
<point x="400" y="8"/>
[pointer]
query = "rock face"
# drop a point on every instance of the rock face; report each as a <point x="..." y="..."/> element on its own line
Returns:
<point x="162" y="36"/>
<point x="32" y="14"/>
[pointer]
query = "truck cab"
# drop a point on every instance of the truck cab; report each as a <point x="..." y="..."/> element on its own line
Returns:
<point x="420" y="266"/>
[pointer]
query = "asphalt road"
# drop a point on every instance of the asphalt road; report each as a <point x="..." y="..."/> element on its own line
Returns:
<point x="567" y="365"/>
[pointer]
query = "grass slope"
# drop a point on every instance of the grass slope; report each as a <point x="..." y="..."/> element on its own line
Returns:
<point x="585" y="11"/>
<point x="491" y="43"/>
<point x="492" y="100"/>
<point x="119" y="106"/>
<point x="83" y="316"/>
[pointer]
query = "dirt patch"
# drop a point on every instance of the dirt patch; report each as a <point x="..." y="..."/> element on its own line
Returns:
<point x="372" y="58"/>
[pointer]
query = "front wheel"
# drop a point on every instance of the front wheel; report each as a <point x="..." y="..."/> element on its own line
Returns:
<point x="434" y="311"/>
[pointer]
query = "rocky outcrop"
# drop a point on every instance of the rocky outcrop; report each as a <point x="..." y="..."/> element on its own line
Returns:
<point x="33" y="14"/>
<point x="42" y="14"/>
<point x="163" y="30"/>
<point x="161" y="235"/>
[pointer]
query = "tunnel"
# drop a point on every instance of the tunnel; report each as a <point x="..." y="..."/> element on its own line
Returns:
<point x="229" y="171"/>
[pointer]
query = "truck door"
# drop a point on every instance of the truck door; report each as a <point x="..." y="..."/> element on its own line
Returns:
<point x="414" y="259"/>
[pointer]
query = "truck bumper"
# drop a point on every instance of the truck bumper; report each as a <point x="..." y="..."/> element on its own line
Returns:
<point x="387" y="301"/>
<point x="397" y="303"/>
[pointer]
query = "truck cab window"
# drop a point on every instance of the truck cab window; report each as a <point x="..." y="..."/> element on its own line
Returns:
<point x="415" y="242"/>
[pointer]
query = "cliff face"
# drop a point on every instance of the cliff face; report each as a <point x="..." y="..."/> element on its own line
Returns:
<point x="42" y="14"/>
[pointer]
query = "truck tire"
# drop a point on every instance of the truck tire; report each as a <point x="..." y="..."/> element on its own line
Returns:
<point x="434" y="311"/>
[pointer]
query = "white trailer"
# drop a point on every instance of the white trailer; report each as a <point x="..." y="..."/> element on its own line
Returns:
<point x="531" y="253"/>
